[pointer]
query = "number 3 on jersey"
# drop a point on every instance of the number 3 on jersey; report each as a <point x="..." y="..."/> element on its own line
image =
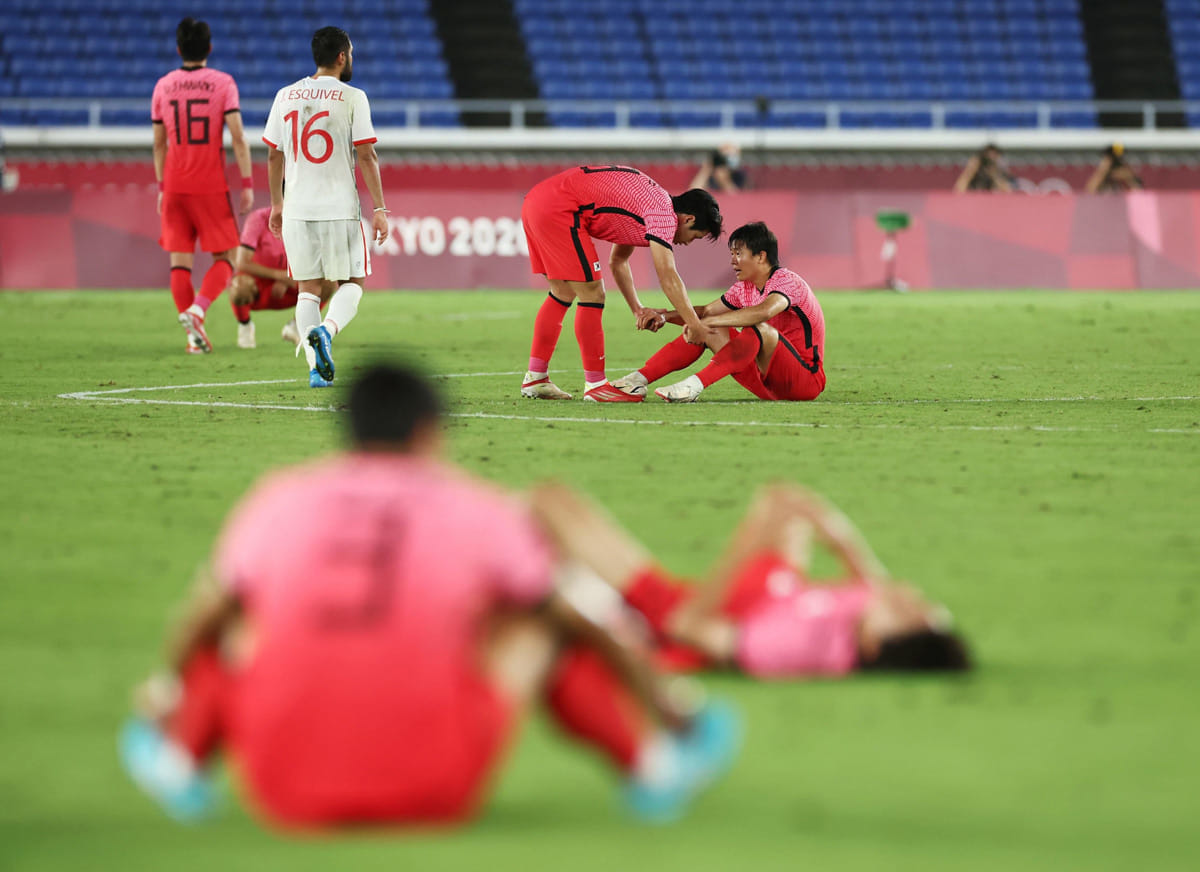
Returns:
<point x="301" y="138"/>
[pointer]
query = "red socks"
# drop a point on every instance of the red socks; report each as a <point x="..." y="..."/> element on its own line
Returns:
<point x="589" y="332"/>
<point x="590" y="703"/>
<point x="215" y="281"/>
<point x="181" y="287"/>
<point x="197" y="723"/>
<point x="242" y="313"/>
<point x="675" y="355"/>
<point x="738" y="354"/>
<point x="546" y="329"/>
<point x="653" y="593"/>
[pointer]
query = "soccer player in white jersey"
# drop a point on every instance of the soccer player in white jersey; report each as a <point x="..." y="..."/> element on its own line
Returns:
<point x="316" y="128"/>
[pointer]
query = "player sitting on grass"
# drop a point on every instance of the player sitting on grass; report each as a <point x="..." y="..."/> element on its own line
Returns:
<point x="375" y="670"/>
<point x="759" y="611"/>
<point x="262" y="280"/>
<point x="561" y="217"/>
<point x="767" y="331"/>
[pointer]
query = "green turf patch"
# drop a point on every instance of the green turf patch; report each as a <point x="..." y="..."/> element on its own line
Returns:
<point x="1033" y="459"/>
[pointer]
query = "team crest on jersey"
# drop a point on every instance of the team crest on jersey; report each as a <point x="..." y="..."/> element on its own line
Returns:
<point x="596" y="266"/>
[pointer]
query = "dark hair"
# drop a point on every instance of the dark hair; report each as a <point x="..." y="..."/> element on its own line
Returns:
<point x="703" y="206"/>
<point x="757" y="236"/>
<point x="194" y="39"/>
<point x="923" y="650"/>
<point x="389" y="402"/>
<point x="327" y="44"/>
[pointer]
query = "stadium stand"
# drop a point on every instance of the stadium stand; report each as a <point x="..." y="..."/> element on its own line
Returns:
<point x="117" y="49"/>
<point x="1184" y="22"/>
<point x="989" y="51"/>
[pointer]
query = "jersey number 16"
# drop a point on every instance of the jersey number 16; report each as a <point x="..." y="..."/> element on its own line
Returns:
<point x="302" y="138"/>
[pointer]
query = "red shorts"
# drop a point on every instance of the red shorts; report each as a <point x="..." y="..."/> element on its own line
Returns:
<point x="207" y="216"/>
<point x="558" y="248"/>
<point x="264" y="300"/>
<point x="344" y="757"/>
<point x="751" y="583"/>
<point x="789" y="376"/>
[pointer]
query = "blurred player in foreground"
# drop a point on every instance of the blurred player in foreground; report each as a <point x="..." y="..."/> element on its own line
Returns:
<point x="316" y="129"/>
<point x="758" y="610"/>
<point x="561" y="217"/>
<point x="262" y="280"/>
<point x="376" y="670"/>
<point x="190" y="109"/>
<point x="767" y="331"/>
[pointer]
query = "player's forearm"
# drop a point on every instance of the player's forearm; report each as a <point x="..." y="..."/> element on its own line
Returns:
<point x="623" y="276"/>
<point x="253" y="268"/>
<point x="275" y="176"/>
<point x="241" y="154"/>
<point x="368" y="164"/>
<point x="675" y="292"/>
<point x="207" y="616"/>
<point x="160" y="160"/>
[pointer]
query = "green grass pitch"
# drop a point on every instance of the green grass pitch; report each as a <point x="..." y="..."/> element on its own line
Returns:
<point x="1032" y="459"/>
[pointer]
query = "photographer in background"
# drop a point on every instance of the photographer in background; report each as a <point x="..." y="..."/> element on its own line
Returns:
<point x="1112" y="174"/>
<point x="985" y="171"/>
<point x="722" y="170"/>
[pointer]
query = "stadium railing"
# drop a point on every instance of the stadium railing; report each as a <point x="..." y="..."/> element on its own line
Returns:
<point x="951" y="123"/>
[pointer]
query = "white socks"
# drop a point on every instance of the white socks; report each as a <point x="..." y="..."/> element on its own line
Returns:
<point x="342" y="308"/>
<point x="308" y="316"/>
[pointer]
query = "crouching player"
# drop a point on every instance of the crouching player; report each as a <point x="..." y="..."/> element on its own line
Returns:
<point x="767" y="331"/>
<point x="262" y="280"/>
<point x="375" y="673"/>
<point x="759" y="611"/>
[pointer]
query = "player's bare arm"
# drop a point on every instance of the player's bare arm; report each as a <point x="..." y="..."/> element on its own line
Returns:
<point x="368" y="163"/>
<point x="836" y="531"/>
<point x="714" y="308"/>
<point x="618" y="265"/>
<point x="244" y="262"/>
<point x="749" y="316"/>
<point x="672" y="284"/>
<point x="241" y="154"/>
<point x="211" y="611"/>
<point x="160" y="158"/>
<point x="275" y="181"/>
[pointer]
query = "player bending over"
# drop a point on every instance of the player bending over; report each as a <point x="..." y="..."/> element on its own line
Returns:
<point x="561" y="217"/>
<point x="375" y="671"/>
<point x="190" y="109"/>
<point x="316" y="128"/>
<point x="262" y="280"/>
<point x="759" y="611"/>
<point x="767" y="331"/>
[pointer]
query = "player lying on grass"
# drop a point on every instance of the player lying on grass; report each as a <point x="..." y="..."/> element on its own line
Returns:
<point x="262" y="280"/>
<point x="767" y="331"/>
<point x="374" y="670"/>
<point x="758" y="610"/>
<point x="561" y="217"/>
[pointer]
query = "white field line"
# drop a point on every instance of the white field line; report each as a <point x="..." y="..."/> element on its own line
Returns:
<point x="120" y="396"/>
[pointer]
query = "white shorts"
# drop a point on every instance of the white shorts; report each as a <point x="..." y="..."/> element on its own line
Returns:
<point x="333" y="250"/>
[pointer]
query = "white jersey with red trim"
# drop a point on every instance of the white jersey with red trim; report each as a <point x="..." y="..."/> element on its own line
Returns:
<point x="316" y="122"/>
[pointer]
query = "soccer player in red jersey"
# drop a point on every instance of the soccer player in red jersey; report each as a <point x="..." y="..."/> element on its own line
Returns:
<point x="759" y="610"/>
<point x="561" y="217"/>
<point x="767" y="331"/>
<point x="374" y="671"/>
<point x="262" y="280"/>
<point x="190" y="110"/>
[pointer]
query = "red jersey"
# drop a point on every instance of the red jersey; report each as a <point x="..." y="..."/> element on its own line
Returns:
<point x="802" y="323"/>
<point x="191" y="103"/>
<point x="620" y="204"/>
<point x="256" y="236"/>
<point x="368" y="632"/>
